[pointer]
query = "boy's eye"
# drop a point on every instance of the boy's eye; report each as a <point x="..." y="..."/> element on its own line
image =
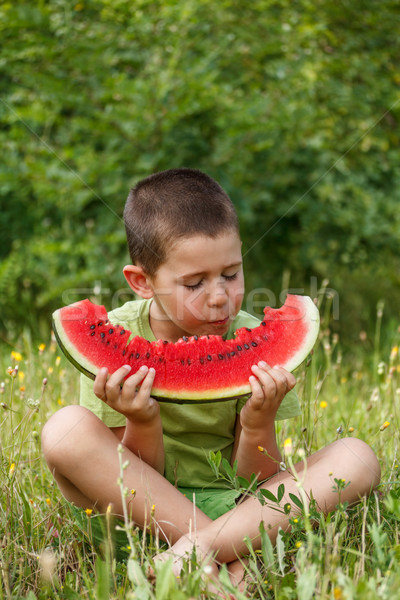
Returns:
<point x="194" y="286"/>
<point x="231" y="277"/>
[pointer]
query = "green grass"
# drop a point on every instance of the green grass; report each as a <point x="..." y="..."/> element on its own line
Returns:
<point x="352" y="553"/>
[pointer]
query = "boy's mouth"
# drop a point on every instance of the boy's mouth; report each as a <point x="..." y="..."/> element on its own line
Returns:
<point x="220" y="321"/>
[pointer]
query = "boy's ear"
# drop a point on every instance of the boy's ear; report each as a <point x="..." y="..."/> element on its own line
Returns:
<point x="138" y="281"/>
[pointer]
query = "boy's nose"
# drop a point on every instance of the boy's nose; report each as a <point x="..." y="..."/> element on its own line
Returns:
<point x="217" y="295"/>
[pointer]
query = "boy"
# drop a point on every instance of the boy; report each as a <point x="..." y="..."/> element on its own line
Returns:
<point x="183" y="238"/>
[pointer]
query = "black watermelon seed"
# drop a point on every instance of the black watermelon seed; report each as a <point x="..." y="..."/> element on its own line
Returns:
<point x="100" y="323"/>
<point x="263" y="323"/>
<point x="246" y="346"/>
<point x="93" y="333"/>
<point x="108" y="342"/>
<point x="115" y="346"/>
<point x="110" y="331"/>
<point x="93" y="327"/>
<point x="189" y="362"/>
<point x="161" y="359"/>
<point x="254" y="344"/>
<point x="221" y="356"/>
<point x="123" y="352"/>
<point x="165" y="342"/>
<point x="130" y="356"/>
<point x="196" y="337"/>
<point x="248" y="329"/>
<point x="147" y="354"/>
<point x="122" y="331"/>
<point x="102" y="335"/>
<point x="185" y="339"/>
<point x="209" y="357"/>
<point x="239" y="348"/>
<point x="182" y="361"/>
<point x="137" y="355"/>
<point x="202" y="361"/>
<point x="233" y="353"/>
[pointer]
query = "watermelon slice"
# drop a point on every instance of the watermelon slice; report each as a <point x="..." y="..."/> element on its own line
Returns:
<point x="194" y="369"/>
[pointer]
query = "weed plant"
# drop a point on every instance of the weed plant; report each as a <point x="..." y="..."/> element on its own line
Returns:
<point x="351" y="553"/>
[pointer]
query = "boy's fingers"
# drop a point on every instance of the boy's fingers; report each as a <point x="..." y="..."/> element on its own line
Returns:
<point x="134" y="379"/>
<point x="145" y="378"/>
<point x="100" y="382"/>
<point x="257" y="393"/>
<point x="284" y="381"/>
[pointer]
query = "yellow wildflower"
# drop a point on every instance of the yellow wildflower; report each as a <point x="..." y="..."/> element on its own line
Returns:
<point x="16" y="356"/>
<point x="385" y="425"/>
<point x="288" y="446"/>
<point x="58" y="360"/>
<point x="351" y="429"/>
<point x="88" y="511"/>
<point x="12" y="469"/>
<point x="41" y="347"/>
<point x="21" y="375"/>
<point x="323" y="404"/>
<point x="299" y="544"/>
<point x="48" y="501"/>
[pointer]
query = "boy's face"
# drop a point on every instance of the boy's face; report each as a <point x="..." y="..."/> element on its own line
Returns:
<point x="199" y="289"/>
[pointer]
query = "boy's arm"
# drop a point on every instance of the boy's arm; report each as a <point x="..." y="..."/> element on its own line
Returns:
<point x="143" y="433"/>
<point x="256" y="423"/>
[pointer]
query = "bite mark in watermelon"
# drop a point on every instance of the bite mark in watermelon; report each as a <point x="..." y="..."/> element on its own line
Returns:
<point x="194" y="369"/>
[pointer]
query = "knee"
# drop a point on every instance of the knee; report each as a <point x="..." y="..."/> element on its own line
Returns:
<point x="367" y="470"/>
<point x="62" y="431"/>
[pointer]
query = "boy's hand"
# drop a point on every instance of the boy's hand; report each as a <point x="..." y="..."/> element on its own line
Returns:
<point x="269" y="386"/>
<point x="126" y="397"/>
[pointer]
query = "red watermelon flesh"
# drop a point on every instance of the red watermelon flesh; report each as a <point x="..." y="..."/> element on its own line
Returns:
<point x="196" y="369"/>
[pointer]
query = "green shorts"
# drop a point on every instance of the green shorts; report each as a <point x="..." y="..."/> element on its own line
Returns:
<point x="212" y="501"/>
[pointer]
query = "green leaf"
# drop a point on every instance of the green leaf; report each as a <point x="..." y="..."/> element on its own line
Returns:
<point x="296" y="500"/>
<point x="269" y="495"/>
<point x="281" y="492"/>
<point x="280" y="550"/>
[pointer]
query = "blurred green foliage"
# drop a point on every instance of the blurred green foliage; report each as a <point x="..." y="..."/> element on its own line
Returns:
<point x="293" y="107"/>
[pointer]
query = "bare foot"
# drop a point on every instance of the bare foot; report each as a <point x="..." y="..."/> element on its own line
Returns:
<point x="183" y="550"/>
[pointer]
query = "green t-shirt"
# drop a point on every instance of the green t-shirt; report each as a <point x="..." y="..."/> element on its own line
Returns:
<point x="190" y="431"/>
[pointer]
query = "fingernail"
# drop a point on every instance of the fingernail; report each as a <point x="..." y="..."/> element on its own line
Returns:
<point x="127" y="367"/>
<point x="104" y="370"/>
<point x="262" y="363"/>
<point x="152" y="370"/>
<point x="143" y="368"/>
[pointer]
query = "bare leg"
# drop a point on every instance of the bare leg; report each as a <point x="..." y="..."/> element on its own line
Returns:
<point x="82" y="455"/>
<point x="349" y="459"/>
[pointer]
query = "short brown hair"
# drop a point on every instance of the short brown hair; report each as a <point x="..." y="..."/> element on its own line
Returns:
<point x="170" y="205"/>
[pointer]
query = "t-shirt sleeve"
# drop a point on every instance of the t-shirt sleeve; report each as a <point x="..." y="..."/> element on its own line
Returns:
<point x="111" y="417"/>
<point x="289" y="408"/>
